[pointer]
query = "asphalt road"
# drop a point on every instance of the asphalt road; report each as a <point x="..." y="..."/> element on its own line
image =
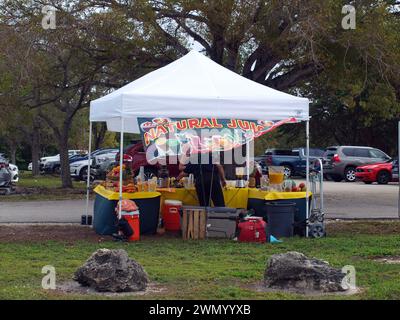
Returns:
<point x="359" y="200"/>
<point x="342" y="200"/>
<point x="60" y="211"/>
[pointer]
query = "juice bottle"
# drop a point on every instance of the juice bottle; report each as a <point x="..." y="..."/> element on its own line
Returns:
<point x="139" y="184"/>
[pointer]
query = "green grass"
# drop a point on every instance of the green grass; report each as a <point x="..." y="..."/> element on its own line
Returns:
<point x="27" y="180"/>
<point x="210" y="269"/>
<point x="48" y="187"/>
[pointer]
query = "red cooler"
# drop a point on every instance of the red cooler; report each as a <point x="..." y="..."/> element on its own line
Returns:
<point x="252" y="229"/>
<point x="171" y="216"/>
<point x="133" y="220"/>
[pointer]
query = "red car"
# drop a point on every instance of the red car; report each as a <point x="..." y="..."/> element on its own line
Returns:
<point x="377" y="172"/>
<point x="136" y="156"/>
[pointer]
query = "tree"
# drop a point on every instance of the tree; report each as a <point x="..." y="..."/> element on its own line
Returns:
<point x="63" y="69"/>
<point x="298" y="46"/>
<point x="294" y="46"/>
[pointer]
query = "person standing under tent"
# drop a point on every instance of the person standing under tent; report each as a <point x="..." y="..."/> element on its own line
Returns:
<point x="209" y="179"/>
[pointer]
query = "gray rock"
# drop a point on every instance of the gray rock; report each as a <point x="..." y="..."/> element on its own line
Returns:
<point x="294" y="271"/>
<point x="112" y="271"/>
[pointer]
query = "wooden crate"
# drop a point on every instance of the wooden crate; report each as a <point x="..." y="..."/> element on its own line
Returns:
<point x="194" y="222"/>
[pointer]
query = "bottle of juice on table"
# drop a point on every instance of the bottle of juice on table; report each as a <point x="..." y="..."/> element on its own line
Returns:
<point x="139" y="184"/>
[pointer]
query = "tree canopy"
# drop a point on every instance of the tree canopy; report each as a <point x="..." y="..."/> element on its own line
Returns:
<point x="351" y="76"/>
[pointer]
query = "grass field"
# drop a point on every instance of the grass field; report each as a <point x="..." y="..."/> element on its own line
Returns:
<point x="44" y="187"/>
<point x="27" y="180"/>
<point x="210" y="269"/>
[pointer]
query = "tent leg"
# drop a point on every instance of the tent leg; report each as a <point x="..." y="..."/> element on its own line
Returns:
<point x="307" y="171"/>
<point x="121" y="162"/>
<point x="248" y="160"/>
<point x="88" y="171"/>
<point x="398" y="159"/>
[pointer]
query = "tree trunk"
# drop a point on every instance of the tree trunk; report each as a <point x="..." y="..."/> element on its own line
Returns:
<point x="13" y="153"/>
<point x="62" y="138"/>
<point x="66" y="181"/>
<point x="35" y="150"/>
<point x="99" y="132"/>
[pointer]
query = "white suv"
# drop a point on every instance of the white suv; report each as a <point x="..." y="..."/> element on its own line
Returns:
<point x="79" y="168"/>
<point x="56" y="158"/>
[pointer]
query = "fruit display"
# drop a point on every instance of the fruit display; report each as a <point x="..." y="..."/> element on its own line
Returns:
<point x="113" y="174"/>
<point x="302" y="187"/>
<point x="112" y="180"/>
<point x="290" y="186"/>
<point x="129" y="188"/>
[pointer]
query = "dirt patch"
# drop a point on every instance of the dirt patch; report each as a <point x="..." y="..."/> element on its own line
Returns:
<point x="40" y="233"/>
<point x="368" y="227"/>
<point x="388" y="259"/>
<point x="260" y="287"/>
<point x="73" y="287"/>
<point x="72" y="233"/>
<point x="69" y="233"/>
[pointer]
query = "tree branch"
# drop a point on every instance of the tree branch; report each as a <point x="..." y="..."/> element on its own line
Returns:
<point x="294" y="76"/>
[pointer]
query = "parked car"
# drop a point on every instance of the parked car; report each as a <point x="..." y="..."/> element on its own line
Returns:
<point x="56" y="158"/>
<point x="6" y="185"/>
<point x="79" y="168"/>
<point x="52" y="164"/>
<point x="340" y="162"/>
<point x="293" y="160"/>
<point x="79" y="157"/>
<point x="11" y="167"/>
<point x="14" y="173"/>
<point x="378" y="172"/>
<point x="100" y="169"/>
<point x="136" y="156"/>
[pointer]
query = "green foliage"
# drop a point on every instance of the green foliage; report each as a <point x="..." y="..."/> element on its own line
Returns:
<point x="351" y="76"/>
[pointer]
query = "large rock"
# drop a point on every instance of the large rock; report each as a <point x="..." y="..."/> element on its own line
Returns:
<point x="295" y="271"/>
<point x="112" y="270"/>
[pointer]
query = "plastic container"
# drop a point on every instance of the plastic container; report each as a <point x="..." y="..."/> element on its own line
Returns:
<point x="171" y="215"/>
<point x="221" y="222"/>
<point x="149" y="212"/>
<point x="252" y="229"/>
<point x="134" y="222"/>
<point x="153" y="184"/>
<point x="275" y="175"/>
<point x="280" y="219"/>
<point x="264" y="182"/>
<point x="105" y="219"/>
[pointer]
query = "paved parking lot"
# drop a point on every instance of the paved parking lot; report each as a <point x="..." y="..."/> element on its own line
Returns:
<point x="342" y="200"/>
<point x="359" y="200"/>
<point x="60" y="211"/>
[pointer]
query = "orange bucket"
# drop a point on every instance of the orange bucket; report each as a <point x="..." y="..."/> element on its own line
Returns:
<point x="133" y="220"/>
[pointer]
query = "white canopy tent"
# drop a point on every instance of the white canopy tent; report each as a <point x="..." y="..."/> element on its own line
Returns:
<point x="194" y="86"/>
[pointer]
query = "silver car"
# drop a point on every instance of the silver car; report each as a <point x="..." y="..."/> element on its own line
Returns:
<point x="340" y="162"/>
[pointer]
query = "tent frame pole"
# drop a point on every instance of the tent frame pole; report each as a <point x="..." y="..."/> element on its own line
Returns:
<point x="88" y="171"/>
<point x="398" y="173"/>
<point x="307" y="171"/>
<point x="121" y="161"/>
<point x="248" y="160"/>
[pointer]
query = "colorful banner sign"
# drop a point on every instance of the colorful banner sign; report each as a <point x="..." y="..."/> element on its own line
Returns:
<point x="171" y="137"/>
